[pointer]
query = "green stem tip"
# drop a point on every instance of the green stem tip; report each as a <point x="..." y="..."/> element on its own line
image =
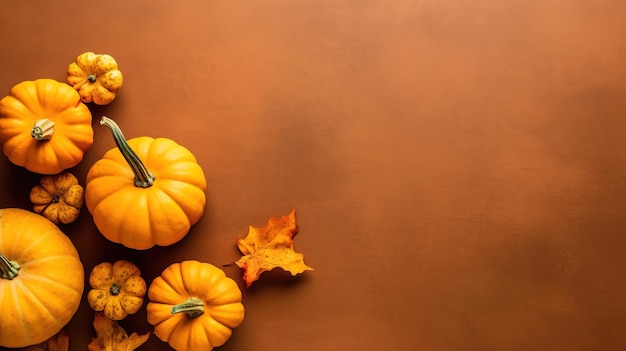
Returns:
<point x="193" y="306"/>
<point x="8" y="269"/>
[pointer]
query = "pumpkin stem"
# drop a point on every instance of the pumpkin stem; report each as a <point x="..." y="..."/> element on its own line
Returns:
<point x="90" y="78"/>
<point x="115" y="289"/>
<point x="8" y="269"/>
<point x="193" y="306"/>
<point x="43" y="129"/>
<point x="143" y="177"/>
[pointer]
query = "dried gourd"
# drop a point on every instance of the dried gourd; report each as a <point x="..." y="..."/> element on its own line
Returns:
<point x="58" y="197"/>
<point x="96" y="77"/>
<point x="117" y="289"/>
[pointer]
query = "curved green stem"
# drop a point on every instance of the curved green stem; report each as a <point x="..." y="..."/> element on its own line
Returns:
<point x="8" y="269"/>
<point x="143" y="177"/>
<point x="193" y="306"/>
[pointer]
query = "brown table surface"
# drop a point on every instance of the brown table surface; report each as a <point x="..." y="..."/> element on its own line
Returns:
<point x="457" y="167"/>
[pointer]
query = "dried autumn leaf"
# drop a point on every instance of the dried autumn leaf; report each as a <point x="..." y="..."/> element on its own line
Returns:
<point x="269" y="247"/>
<point x="59" y="342"/>
<point x="111" y="337"/>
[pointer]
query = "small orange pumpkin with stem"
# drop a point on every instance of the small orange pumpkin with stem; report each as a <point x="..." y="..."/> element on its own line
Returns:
<point x="147" y="191"/>
<point x="194" y="306"/>
<point x="44" y="126"/>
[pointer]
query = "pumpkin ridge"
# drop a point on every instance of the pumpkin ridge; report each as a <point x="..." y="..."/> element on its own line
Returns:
<point x="18" y="309"/>
<point x="49" y="282"/>
<point x="112" y="165"/>
<point x="118" y="232"/>
<point x="34" y="299"/>
<point x="217" y="331"/>
<point x="156" y="208"/>
<point x="99" y="196"/>
<point x="32" y="103"/>
<point x="167" y="294"/>
<point x="173" y="195"/>
<point x="188" y="274"/>
<point x="77" y="137"/>
<point x="65" y="149"/>
<point x="181" y="330"/>
<point x="181" y="170"/>
<point x="173" y="279"/>
<point x="20" y="146"/>
<point x="223" y="293"/>
<point x="110" y="195"/>
<point x="31" y="244"/>
<point x="159" y="147"/>
<point x="189" y="199"/>
<point x="42" y="259"/>
<point x="178" y="196"/>
<point x="218" y="311"/>
<point x="17" y="107"/>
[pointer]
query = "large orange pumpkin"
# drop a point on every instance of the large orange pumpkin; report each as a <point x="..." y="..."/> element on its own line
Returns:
<point x="146" y="192"/>
<point x="41" y="278"/>
<point x="44" y="126"/>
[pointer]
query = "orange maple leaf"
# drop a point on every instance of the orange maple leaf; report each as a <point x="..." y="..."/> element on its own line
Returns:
<point x="110" y="336"/>
<point x="265" y="248"/>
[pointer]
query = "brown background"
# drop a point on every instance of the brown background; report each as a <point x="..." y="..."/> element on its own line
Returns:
<point x="457" y="167"/>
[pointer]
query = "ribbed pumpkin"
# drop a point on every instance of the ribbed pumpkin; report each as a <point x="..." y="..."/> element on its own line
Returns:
<point x="194" y="306"/>
<point x="41" y="278"/>
<point x="147" y="191"/>
<point x="44" y="126"/>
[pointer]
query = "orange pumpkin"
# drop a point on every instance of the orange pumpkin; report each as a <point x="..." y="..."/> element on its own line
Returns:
<point x="44" y="126"/>
<point x="194" y="306"/>
<point x="146" y="192"/>
<point x="41" y="278"/>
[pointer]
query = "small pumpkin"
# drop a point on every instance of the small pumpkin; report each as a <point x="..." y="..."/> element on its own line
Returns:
<point x="117" y="289"/>
<point x="58" y="197"/>
<point x="194" y="306"/>
<point x="41" y="278"/>
<point x="44" y="126"/>
<point x="96" y="77"/>
<point x="146" y="192"/>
